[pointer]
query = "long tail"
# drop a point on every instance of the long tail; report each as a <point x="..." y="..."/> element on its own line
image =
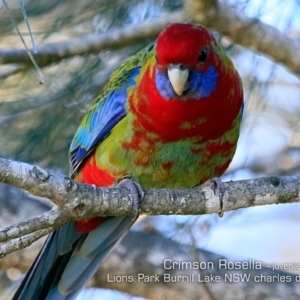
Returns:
<point x="69" y="259"/>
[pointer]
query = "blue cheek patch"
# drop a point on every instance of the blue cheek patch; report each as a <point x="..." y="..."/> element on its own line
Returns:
<point x="201" y="85"/>
<point x="163" y="85"/>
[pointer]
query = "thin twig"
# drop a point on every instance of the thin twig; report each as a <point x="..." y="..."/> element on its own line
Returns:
<point x="42" y="79"/>
<point x="49" y="219"/>
<point x="23" y="242"/>
<point x="28" y="26"/>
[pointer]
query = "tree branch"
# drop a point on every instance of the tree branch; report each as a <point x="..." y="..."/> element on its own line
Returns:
<point x="80" y="201"/>
<point x="232" y="22"/>
<point x="246" y="31"/>
<point x="23" y="241"/>
<point x="91" y="43"/>
<point x="54" y="217"/>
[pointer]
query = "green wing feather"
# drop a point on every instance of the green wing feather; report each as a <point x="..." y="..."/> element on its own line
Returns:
<point x="108" y="109"/>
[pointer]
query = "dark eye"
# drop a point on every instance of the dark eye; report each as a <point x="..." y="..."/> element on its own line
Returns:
<point x="202" y="56"/>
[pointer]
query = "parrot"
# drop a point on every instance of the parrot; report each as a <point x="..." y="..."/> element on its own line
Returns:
<point x="169" y="117"/>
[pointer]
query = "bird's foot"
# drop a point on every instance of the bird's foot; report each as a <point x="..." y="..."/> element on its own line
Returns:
<point x="136" y="191"/>
<point x="218" y="188"/>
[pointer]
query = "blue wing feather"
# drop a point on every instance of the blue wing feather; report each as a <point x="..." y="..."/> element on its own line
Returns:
<point x="100" y="120"/>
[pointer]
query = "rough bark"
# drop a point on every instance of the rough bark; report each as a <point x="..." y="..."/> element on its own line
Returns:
<point x="80" y="201"/>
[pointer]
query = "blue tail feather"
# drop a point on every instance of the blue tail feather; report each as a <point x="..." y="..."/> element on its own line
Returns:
<point x="69" y="259"/>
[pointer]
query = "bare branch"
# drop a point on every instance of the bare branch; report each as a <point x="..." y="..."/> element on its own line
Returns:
<point x="248" y="32"/>
<point x="229" y="21"/>
<point x="92" y="43"/>
<point x="53" y="218"/>
<point x="23" y="241"/>
<point x="81" y="201"/>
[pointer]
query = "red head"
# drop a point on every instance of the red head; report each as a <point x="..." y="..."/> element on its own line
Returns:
<point x="192" y="88"/>
<point x="187" y="60"/>
<point x="187" y="44"/>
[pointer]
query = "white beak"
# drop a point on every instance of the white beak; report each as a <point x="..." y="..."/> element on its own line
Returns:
<point x="178" y="77"/>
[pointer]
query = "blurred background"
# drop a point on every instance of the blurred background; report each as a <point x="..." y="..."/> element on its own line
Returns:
<point x="37" y="122"/>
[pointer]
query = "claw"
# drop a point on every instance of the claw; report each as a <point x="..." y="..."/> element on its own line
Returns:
<point x="136" y="191"/>
<point x="218" y="188"/>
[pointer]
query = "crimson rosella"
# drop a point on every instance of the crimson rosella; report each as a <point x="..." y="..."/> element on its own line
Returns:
<point x="169" y="117"/>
